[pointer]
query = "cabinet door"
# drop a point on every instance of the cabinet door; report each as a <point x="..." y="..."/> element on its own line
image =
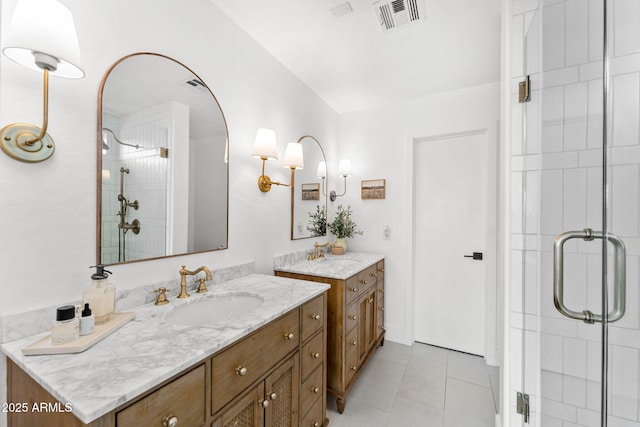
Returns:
<point x="380" y="301"/>
<point x="282" y="392"/>
<point x="367" y="323"/>
<point x="248" y="411"/>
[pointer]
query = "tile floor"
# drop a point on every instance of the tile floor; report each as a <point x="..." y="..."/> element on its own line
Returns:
<point x="420" y="385"/>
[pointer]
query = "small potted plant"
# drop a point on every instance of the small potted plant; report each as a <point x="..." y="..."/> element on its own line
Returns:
<point x="343" y="228"/>
<point x="318" y="222"/>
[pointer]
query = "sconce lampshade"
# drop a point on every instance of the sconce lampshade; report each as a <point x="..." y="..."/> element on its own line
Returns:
<point x="293" y="156"/>
<point x="265" y="145"/>
<point x="344" y="167"/>
<point x="42" y="35"/>
<point x="322" y="170"/>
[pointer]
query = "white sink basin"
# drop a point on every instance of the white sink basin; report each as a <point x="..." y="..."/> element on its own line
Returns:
<point x="214" y="310"/>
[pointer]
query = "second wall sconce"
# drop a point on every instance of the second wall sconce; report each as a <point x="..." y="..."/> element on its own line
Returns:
<point x="344" y="170"/>
<point x="42" y="37"/>
<point x="266" y="147"/>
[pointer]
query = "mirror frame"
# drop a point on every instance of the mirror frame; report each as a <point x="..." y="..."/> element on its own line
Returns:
<point x="99" y="162"/>
<point x="293" y="191"/>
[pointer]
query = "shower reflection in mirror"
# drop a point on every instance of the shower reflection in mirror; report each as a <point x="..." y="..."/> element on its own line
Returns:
<point x="135" y="155"/>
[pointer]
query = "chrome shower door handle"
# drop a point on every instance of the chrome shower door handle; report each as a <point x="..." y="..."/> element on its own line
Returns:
<point x="619" y="276"/>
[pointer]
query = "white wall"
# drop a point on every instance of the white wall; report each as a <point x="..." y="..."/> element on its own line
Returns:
<point x="48" y="212"/>
<point x="379" y="142"/>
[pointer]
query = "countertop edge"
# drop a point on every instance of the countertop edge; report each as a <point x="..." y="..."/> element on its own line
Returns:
<point x="362" y="261"/>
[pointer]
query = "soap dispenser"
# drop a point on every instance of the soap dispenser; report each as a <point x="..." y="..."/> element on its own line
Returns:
<point x="100" y="295"/>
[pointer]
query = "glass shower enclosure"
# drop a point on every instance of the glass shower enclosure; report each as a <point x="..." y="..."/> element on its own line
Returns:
<point x="575" y="224"/>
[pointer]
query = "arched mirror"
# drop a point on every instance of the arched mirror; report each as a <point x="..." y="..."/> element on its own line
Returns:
<point x="309" y="192"/>
<point x="162" y="162"/>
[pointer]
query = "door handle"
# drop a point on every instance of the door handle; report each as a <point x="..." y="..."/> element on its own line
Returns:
<point x="476" y="256"/>
<point x="619" y="276"/>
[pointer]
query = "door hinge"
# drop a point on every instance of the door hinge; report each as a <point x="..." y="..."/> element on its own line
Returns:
<point x="524" y="90"/>
<point x="523" y="406"/>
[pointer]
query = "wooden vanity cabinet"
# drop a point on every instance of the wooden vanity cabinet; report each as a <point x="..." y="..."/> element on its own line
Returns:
<point x="274" y="377"/>
<point x="355" y="325"/>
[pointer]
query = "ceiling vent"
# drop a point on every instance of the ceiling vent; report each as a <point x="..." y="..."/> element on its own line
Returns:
<point x="395" y="13"/>
<point x="195" y="84"/>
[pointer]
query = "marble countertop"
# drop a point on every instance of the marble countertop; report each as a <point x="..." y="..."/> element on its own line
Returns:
<point x="333" y="266"/>
<point x="148" y="350"/>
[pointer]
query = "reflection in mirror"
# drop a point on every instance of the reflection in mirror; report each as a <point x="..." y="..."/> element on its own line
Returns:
<point x="308" y="192"/>
<point x="162" y="162"/>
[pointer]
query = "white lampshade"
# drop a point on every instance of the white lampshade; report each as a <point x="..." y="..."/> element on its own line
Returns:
<point x="44" y="27"/>
<point x="322" y="170"/>
<point x="293" y="156"/>
<point x="265" y="145"/>
<point x="344" y="167"/>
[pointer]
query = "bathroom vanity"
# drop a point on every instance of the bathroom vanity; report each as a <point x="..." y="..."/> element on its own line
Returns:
<point x="355" y="322"/>
<point x="263" y="368"/>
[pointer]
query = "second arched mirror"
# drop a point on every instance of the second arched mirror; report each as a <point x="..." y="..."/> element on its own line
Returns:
<point x="309" y="192"/>
<point x="162" y="162"/>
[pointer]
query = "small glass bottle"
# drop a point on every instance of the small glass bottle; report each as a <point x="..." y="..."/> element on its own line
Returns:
<point x="66" y="328"/>
<point x="86" y="321"/>
<point x="100" y="295"/>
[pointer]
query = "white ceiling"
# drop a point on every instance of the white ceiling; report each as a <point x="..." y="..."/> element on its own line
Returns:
<point x="352" y="64"/>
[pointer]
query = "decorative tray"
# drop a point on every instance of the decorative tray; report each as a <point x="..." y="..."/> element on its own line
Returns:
<point x="44" y="345"/>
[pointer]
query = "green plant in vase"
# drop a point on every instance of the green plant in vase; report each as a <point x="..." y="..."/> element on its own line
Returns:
<point x="318" y="222"/>
<point x="343" y="227"/>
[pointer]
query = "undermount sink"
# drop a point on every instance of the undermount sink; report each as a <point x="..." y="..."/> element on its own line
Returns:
<point x="214" y="310"/>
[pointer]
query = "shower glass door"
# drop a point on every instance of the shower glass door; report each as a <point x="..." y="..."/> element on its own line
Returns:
<point x="576" y="171"/>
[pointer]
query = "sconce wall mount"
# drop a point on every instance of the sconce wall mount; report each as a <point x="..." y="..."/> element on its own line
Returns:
<point x="344" y="170"/>
<point x="265" y="148"/>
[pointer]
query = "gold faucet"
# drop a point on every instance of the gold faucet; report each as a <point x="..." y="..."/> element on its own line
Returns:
<point x="183" y="279"/>
<point x="317" y="253"/>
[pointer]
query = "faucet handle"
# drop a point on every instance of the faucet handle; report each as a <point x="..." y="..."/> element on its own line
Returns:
<point x="162" y="297"/>
<point x="202" y="287"/>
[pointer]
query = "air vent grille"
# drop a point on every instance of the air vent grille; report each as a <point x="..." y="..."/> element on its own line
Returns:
<point x="395" y="13"/>
<point x="195" y="84"/>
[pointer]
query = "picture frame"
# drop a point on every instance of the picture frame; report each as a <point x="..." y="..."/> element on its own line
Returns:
<point x="311" y="191"/>
<point x="372" y="189"/>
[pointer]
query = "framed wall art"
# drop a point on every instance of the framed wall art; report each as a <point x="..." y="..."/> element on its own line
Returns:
<point x="373" y="189"/>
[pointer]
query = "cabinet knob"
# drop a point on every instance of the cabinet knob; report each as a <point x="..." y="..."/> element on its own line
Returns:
<point x="354" y="368"/>
<point x="241" y="370"/>
<point x="315" y="424"/>
<point x="315" y="355"/>
<point x="264" y="403"/>
<point x="381" y="270"/>
<point x="354" y="342"/>
<point x="288" y="336"/>
<point x="273" y="396"/>
<point x="315" y="390"/>
<point x="315" y="316"/>
<point x="374" y="274"/>
<point x="381" y="308"/>
<point x="381" y="290"/>
<point x="370" y="300"/>
<point x="353" y="317"/>
<point x="364" y="282"/>
<point x="170" y="421"/>
<point x="354" y="289"/>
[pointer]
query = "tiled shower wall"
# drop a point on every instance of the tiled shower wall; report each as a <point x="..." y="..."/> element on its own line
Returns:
<point x="146" y="182"/>
<point x="556" y="181"/>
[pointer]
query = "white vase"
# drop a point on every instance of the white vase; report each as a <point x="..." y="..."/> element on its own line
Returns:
<point x="341" y="243"/>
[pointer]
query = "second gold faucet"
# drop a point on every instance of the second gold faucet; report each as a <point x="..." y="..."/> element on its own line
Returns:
<point x="183" y="280"/>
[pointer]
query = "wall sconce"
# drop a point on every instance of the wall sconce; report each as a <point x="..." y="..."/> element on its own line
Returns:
<point x="42" y="37"/>
<point x="322" y="174"/>
<point x="344" y="170"/>
<point x="265" y="148"/>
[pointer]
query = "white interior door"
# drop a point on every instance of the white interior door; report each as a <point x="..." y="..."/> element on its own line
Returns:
<point x="452" y="209"/>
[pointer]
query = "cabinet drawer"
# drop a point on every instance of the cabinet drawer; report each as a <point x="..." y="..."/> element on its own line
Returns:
<point x="315" y="417"/>
<point x="351" y="289"/>
<point x="367" y="278"/>
<point x="313" y="354"/>
<point x="312" y="317"/>
<point x="351" y="317"/>
<point x="351" y="341"/>
<point x="182" y="398"/>
<point x="351" y="366"/>
<point x="239" y="366"/>
<point x="311" y="390"/>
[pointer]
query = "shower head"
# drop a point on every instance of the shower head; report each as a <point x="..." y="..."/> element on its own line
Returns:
<point x="105" y="146"/>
